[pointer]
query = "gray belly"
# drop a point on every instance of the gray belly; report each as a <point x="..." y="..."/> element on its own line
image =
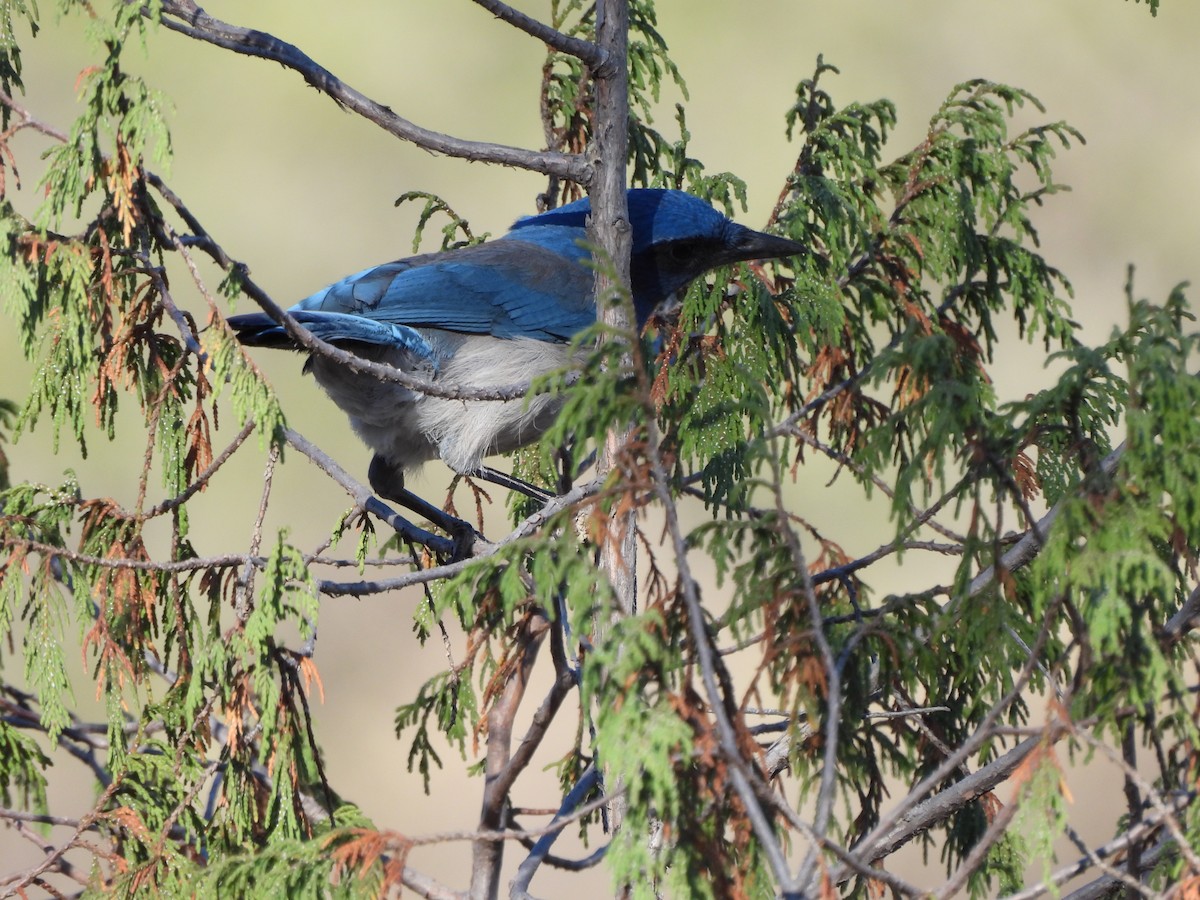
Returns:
<point x="408" y="428"/>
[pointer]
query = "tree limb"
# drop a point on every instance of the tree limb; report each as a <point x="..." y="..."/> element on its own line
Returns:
<point x="487" y="853"/>
<point x="519" y="887"/>
<point x="587" y="52"/>
<point x="187" y="18"/>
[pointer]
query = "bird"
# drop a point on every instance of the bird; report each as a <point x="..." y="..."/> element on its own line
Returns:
<point x="490" y="315"/>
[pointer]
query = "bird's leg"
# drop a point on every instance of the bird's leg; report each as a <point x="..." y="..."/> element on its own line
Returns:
<point x="388" y="482"/>
<point x="512" y="483"/>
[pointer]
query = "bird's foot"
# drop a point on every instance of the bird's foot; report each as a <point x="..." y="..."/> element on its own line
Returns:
<point x="388" y="483"/>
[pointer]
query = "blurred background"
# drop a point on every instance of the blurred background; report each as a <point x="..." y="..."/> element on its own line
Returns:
<point x="303" y="193"/>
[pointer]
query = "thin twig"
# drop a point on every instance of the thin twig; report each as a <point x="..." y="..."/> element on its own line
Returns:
<point x="739" y="772"/>
<point x="833" y="684"/>
<point x="920" y="517"/>
<point x="587" y="52"/>
<point x="62" y="865"/>
<point x="243" y="603"/>
<point x="202" y="479"/>
<point x="28" y="120"/>
<point x="181" y="319"/>
<point x="519" y="886"/>
<point x="18" y="815"/>
<point x="147" y="565"/>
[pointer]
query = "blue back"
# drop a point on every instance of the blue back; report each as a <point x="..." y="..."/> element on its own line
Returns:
<point x="503" y="288"/>
<point x="532" y="283"/>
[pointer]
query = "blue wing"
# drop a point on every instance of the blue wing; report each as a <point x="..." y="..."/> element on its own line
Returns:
<point x="506" y="288"/>
<point x="534" y="288"/>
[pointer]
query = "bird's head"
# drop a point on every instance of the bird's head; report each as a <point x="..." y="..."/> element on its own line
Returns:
<point x="676" y="237"/>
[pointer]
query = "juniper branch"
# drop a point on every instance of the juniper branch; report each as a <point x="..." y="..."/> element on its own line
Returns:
<point x="912" y="815"/>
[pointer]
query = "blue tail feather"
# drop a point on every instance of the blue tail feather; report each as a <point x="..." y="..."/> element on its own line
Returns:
<point x="260" y="330"/>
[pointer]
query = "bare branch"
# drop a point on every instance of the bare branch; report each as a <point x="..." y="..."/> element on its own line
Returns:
<point x="482" y="549"/>
<point x="18" y="815"/>
<point x="426" y="887"/>
<point x="610" y="229"/>
<point x="181" y="319"/>
<point x="542" y="718"/>
<point x="487" y="853"/>
<point x="185" y="17"/>
<point x="1183" y="620"/>
<point x="366" y="499"/>
<point x="519" y="886"/>
<point x="587" y="52"/>
<point x="202" y="479"/>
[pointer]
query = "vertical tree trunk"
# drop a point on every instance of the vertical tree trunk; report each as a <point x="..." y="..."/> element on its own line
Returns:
<point x="610" y="225"/>
<point x="612" y="231"/>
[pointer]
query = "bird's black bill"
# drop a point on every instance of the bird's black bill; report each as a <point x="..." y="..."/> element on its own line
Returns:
<point x="748" y="244"/>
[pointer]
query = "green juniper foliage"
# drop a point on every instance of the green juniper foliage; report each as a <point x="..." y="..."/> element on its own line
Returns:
<point x="1073" y="515"/>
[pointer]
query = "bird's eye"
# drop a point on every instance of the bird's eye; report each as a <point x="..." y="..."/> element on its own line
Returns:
<point x="681" y="252"/>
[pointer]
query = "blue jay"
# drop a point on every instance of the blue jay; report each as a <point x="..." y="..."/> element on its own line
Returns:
<point x="491" y="315"/>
